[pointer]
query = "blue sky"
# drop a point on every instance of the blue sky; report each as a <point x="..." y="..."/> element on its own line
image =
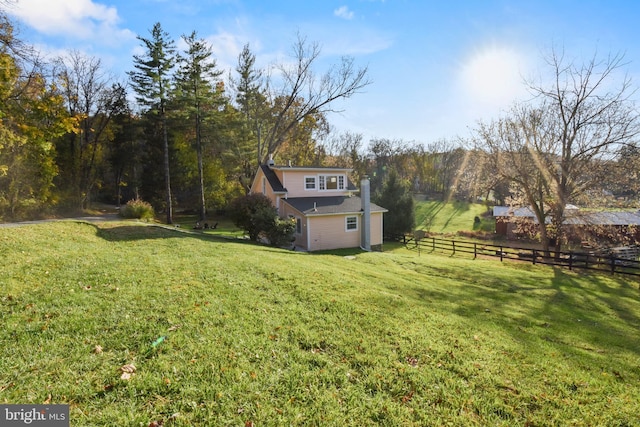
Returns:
<point x="437" y="66"/>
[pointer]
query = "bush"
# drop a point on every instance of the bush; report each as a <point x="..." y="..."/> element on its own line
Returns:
<point x="256" y="215"/>
<point x="137" y="209"/>
<point x="281" y="232"/>
<point x="252" y="213"/>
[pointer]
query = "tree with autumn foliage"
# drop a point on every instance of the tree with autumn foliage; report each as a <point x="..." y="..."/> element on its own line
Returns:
<point x="32" y="116"/>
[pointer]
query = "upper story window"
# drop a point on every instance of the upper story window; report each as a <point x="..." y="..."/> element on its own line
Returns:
<point x="309" y="182"/>
<point x="331" y="182"/>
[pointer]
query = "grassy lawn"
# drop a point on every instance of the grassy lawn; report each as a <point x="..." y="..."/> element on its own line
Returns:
<point x="450" y="217"/>
<point x="256" y="336"/>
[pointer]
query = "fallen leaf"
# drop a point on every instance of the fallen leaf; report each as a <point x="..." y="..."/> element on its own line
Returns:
<point x="48" y="400"/>
<point x="97" y="349"/>
<point x="127" y="371"/>
<point x="130" y="368"/>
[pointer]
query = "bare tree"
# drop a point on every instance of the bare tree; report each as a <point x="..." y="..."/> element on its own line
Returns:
<point x="550" y="145"/>
<point x="302" y="93"/>
<point x="88" y="96"/>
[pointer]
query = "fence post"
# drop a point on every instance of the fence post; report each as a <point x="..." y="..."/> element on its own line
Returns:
<point x="453" y="245"/>
<point x="570" y="260"/>
<point x="501" y="253"/>
<point x="613" y="264"/>
<point x="433" y="243"/>
<point x="533" y="255"/>
<point x="475" y="250"/>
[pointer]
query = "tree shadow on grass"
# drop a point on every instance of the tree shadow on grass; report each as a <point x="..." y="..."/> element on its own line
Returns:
<point x="123" y="233"/>
<point x="578" y="313"/>
<point x="127" y="233"/>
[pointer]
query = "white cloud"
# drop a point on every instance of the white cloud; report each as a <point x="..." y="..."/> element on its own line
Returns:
<point x="82" y="19"/>
<point x="343" y="12"/>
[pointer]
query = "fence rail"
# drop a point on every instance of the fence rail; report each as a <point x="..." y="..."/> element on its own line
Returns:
<point x="620" y="261"/>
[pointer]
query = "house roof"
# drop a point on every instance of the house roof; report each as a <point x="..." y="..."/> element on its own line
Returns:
<point x="312" y="168"/>
<point x="333" y="205"/>
<point x="273" y="179"/>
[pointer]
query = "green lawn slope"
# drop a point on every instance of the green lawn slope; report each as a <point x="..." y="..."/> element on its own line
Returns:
<point x="227" y="333"/>
<point x="450" y="217"/>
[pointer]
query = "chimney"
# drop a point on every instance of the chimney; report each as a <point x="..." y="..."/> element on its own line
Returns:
<point x="270" y="162"/>
<point x="365" y="196"/>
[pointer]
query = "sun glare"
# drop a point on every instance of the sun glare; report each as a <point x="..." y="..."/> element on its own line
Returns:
<point x="493" y="76"/>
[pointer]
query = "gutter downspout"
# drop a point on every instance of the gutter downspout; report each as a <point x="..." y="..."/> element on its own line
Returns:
<point x="365" y="196"/>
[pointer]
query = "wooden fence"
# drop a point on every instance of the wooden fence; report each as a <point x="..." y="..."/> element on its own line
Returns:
<point x="620" y="260"/>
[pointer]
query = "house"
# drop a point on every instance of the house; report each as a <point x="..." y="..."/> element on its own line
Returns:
<point x="328" y="214"/>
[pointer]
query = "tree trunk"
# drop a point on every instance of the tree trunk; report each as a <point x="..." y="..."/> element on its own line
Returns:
<point x="203" y="207"/>
<point x="167" y="179"/>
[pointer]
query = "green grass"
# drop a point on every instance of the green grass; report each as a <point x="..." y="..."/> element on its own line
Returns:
<point x="451" y="217"/>
<point x="260" y="336"/>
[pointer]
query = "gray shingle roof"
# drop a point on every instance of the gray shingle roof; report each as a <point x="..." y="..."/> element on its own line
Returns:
<point x="329" y="205"/>
<point x="274" y="182"/>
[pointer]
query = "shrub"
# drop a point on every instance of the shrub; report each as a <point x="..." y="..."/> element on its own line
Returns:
<point x="252" y="213"/>
<point x="256" y="215"/>
<point x="281" y="232"/>
<point x="137" y="209"/>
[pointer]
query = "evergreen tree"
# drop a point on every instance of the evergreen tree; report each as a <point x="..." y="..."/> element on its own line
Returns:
<point x="251" y="101"/>
<point x="152" y="83"/>
<point x="396" y="196"/>
<point x="200" y="97"/>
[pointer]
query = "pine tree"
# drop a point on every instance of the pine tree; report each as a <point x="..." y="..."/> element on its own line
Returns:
<point x="200" y="95"/>
<point x="396" y="197"/>
<point x="152" y="83"/>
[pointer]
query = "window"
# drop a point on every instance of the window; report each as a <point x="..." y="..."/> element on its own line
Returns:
<point x="331" y="182"/>
<point x="352" y="223"/>
<point x="309" y="182"/>
<point x="264" y="185"/>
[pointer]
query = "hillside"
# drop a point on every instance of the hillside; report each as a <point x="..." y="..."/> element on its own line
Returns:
<point x="227" y="333"/>
<point x="450" y="217"/>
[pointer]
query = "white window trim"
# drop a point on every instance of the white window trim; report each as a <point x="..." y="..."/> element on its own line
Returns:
<point x="341" y="179"/>
<point x="346" y="223"/>
<point x="315" y="183"/>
